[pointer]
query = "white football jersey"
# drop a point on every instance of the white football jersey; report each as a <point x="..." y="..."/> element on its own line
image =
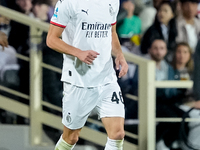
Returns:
<point x="87" y="26"/>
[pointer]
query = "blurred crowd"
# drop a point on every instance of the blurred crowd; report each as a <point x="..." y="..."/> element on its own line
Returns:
<point x="165" y="31"/>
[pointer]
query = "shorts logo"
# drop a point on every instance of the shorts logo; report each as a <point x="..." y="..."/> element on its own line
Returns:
<point x="68" y="118"/>
<point x="111" y="10"/>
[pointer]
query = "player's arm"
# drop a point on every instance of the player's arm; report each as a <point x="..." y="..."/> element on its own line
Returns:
<point x="54" y="42"/>
<point x="117" y="52"/>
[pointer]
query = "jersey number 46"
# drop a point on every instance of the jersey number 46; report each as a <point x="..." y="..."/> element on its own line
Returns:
<point x="116" y="99"/>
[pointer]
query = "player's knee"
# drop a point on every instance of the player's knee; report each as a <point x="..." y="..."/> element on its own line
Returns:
<point x="71" y="139"/>
<point x="118" y="135"/>
<point x="74" y="140"/>
<point x="121" y="135"/>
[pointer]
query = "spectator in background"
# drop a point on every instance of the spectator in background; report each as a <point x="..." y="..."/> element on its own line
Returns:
<point x="166" y="133"/>
<point x="51" y="10"/>
<point x="8" y="60"/>
<point x="188" y="25"/>
<point x="164" y="27"/>
<point x="131" y="25"/>
<point x="157" y="52"/>
<point x="183" y="62"/>
<point x="19" y="39"/>
<point x="171" y="102"/>
<point x="5" y="25"/>
<point x="147" y="12"/>
<point x="191" y="102"/>
<point x="147" y="17"/>
<point x="20" y="44"/>
<point x="40" y="9"/>
<point x="156" y="3"/>
<point x="3" y="40"/>
<point x="143" y="9"/>
<point x="8" y="76"/>
<point x="183" y="66"/>
<point x="178" y="7"/>
<point x="164" y="71"/>
<point x="24" y="6"/>
<point x="9" y="68"/>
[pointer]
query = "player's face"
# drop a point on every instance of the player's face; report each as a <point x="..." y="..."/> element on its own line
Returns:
<point x="182" y="55"/>
<point x="165" y="14"/>
<point x="189" y="9"/>
<point x="158" y="50"/>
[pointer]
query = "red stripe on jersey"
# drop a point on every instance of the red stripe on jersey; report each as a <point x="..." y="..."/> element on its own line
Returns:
<point x="57" y="24"/>
<point x="113" y="23"/>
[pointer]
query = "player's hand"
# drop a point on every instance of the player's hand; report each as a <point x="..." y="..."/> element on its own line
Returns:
<point x="3" y="40"/>
<point x="87" y="56"/>
<point x="120" y="61"/>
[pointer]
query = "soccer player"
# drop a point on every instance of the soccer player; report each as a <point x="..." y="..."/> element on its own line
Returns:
<point x="88" y="37"/>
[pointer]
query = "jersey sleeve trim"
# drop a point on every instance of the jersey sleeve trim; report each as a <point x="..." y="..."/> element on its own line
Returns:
<point x="56" y="24"/>
<point x="113" y="23"/>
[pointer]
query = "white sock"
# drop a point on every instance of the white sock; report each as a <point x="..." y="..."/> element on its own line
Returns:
<point x="62" y="145"/>
<point x="114" y="144"/>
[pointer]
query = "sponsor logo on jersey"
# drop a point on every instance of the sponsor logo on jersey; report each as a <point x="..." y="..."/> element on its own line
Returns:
<point x="56" y="13"/>
<point x="96" y="30"/>
<point x="85" y="11"/>
<point x="68" y="118"/>
<point x="95" y="26"/>
<point x="111" y="10"/>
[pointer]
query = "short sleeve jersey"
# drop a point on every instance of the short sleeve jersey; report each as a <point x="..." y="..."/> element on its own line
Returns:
<point x="87" y="26"/>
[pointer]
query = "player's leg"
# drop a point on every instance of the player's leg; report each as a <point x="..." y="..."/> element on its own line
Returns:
<point x="115" y="129"/>
<point x="68" y="139"/>
<point x="70" y="103"/>
<point x="77" y="104"/>
<point x="111" y="112"/>
<point x="71" y="136"/>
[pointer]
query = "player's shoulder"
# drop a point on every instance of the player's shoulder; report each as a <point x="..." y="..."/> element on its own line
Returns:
<point x="69" y="1"/>
<point x="114" y="4"/>
<point x="66" y="2"/>
<point x="114" y="1"/>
